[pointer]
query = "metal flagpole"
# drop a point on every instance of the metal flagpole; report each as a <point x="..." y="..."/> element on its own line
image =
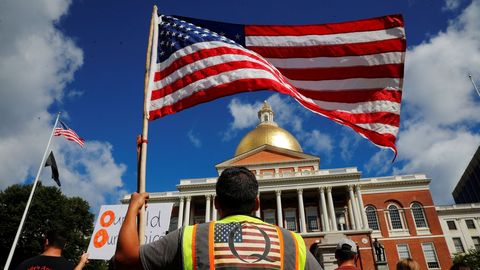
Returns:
<point x="25" y="212"/>
<point x="144" y="140"/>
<point x="474" y="85"/>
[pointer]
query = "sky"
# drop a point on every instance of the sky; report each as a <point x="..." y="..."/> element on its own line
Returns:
<point x="86" y="59"/>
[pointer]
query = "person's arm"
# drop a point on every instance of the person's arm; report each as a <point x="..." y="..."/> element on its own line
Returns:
<point x="127" y="255"/>
<point x="82" y="262"/>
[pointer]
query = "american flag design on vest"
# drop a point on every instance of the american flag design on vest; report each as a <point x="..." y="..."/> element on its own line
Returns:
<point x="246" y="245"/>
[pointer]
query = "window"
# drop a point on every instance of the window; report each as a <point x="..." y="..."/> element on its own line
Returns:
<point x="269" y="216"/>
<point x="312" y="219"/>
<point x="470" y="224"/>
<point x="430" y="255"/>
<point x="372" y="217"/>
<point x="403" y="252"/>
<point x="476" y="242"/>
<point x="451" y="225"/>
<point x="291" y="220"/>
<point x="419" y="215"/>
<point x="457" y="242"/>
<point x="173" y="224"/>
<point x="395" y="219"/>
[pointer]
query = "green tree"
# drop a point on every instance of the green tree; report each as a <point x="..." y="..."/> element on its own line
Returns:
<point x="471" y="258"/>
<point x="50" y="210"/>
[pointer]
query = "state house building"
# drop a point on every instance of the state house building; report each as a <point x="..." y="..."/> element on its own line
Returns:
<point x="324" y="205"/>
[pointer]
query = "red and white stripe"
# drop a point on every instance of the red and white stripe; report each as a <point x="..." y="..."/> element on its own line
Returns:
<point x="350" y="72"/>
<point x="69" y="135"/>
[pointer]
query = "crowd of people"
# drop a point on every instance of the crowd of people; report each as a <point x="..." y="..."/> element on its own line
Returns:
<point x="237" y="240"/>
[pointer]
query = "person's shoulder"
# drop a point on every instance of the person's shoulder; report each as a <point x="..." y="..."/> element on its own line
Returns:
<point x="24" y="264"/>
<point x="60" y="262"/>
<point x="347" y="268"/>
<point x="29" y="261"/>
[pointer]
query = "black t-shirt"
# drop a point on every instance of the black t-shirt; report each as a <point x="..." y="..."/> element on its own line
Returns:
<point x="41" y="262"/>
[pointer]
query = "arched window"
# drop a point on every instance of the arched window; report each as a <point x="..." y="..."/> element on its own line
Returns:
<point x="372" y="217"/>
<point x="418" y="215"/>
<point x="395" y="219"/>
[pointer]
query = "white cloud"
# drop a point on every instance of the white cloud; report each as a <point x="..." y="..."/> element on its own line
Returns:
<point x="244" y="116"/>
<point x="349" y="143"/>
<point x="440" y="111"/>
<point x="437" y="88"/>
<point x="38" y="62"/>
<point x="319" y="142"/>
<point x="194" y="139"/>
<point x="452" y="4"/>
<point x="89" y="172"/>
<point x="442" y="153"/>
<point x="380" y="163"/>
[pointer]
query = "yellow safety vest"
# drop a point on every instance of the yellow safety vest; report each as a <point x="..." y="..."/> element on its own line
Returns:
<point x="241" y="241"/>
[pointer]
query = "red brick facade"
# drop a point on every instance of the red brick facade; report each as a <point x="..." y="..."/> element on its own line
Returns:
<point x="404" y="199"/>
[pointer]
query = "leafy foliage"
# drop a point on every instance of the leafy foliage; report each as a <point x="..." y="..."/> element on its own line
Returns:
<point x="471" y="258"/>
<point x="50" y="210"/>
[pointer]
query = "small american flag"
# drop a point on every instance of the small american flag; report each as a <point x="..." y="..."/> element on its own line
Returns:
<point x="63" y="130"/>
<point x="246" y="245"/>
<point x="350" y="72"/>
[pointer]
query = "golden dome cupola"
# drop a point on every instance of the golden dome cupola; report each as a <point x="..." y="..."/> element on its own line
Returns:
<point x="267" y="132"/>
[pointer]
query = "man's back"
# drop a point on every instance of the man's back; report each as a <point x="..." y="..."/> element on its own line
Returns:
<point x="233" y="242"/>
<point x="42" y="262"/>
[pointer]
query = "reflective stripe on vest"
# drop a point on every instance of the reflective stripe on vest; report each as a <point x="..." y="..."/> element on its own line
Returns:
<point x="198" y="245"/>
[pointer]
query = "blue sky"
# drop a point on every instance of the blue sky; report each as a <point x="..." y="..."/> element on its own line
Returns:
<point x="87" y="59"/>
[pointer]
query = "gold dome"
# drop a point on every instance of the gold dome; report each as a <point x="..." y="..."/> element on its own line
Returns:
<point x="267" y="132"/>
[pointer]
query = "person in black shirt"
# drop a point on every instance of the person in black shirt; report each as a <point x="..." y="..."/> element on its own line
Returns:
<point x="51" y="258"/>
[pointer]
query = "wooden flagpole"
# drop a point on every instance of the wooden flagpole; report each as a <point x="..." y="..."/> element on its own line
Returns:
<point x="27" y="207"/>
<point x="144" y="140"/>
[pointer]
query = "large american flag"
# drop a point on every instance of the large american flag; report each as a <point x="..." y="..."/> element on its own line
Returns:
<point x="350" y="72"/>
<point x="248" y="246"/>
<point x="63" y="130"/>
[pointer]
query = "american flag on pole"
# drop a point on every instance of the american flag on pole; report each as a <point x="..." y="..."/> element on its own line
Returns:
<point x="350" y="72"/>
<point x="63" y="130"/>
<point x="240" y="245"/>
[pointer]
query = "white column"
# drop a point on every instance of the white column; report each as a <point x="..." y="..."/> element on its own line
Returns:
<point x="207" y="208"/>
<point x="347" y="220"/>
<point x="326" y="225"/>
<point x="354" y="208"/>
<point x="363" y="215"/>
<point x="279" y="208"/>
<point x="301" y="210"/>
<point x="214" y="212"/>
<point x="180" y="213"/>
<point x="353" y="226"/>
<point x="333" y="217"/>
<point x="257" y="213"/>
<point x="186" y="219"/>
<point x="465" y="234"/>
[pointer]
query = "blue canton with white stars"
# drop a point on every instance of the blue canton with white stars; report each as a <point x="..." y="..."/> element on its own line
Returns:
<point x="175" y="34"/>
<point x="222" y="232"/>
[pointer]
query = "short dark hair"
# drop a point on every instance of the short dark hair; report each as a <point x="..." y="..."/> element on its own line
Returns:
<point x="56" y="239"/>
<point x="344" y="254"/>
<point x="236" y="190"/>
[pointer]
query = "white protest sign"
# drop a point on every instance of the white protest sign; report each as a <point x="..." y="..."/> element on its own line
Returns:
<point x="110" y="218"/>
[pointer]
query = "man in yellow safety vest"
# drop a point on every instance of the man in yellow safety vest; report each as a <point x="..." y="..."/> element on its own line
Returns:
<point x="236" y="241"/>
